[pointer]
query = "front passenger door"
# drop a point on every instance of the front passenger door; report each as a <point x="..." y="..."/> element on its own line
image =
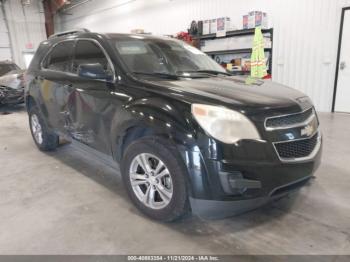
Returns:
<point x="53" y="79"/>
<point x="89" y="102"/>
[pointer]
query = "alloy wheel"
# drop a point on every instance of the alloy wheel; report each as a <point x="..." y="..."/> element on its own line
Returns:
<point x="36" y="128"/>
<point x="151" y="181"/>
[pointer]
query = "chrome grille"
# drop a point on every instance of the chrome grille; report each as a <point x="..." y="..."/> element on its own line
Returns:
<point x="288" y="120"/>
<point x="297" y="148"/>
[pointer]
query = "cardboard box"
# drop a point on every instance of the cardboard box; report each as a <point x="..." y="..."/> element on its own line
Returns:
<point x="261" y="19"/>
<point x="264" y="23"/>
<point x="246" y="64"/>
<point x="213" y="26"/>
<point x="257" y="18"/>
<point x="206" y="27"/>
<point x="223" y="24"/>
<point x="220" y="24"/>
<point x="245" y="22"/>
<point x="200" y="28"/>
<point x="251" y="19"/>
<point x="237" y="62"/>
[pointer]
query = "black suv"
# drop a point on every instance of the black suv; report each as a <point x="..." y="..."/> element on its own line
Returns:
<point x="188" y="136"/>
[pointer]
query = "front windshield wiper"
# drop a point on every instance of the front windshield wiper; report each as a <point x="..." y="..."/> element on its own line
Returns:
<point x="157" y="74"/>
<point x="211" y="72"/>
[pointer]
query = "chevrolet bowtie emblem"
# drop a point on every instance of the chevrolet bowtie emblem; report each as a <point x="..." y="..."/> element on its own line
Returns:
<point x="307" y="131"/>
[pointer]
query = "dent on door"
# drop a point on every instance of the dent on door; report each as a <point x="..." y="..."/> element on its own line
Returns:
<point x="87" y="114"/>
<point x="75" y="122"/>
<point x="50" y="93"/>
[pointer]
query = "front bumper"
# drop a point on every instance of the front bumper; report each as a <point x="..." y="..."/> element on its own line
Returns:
<point x="222" y="188"/>
<point x="11" y="96"/>
<point x="214" y="209"/>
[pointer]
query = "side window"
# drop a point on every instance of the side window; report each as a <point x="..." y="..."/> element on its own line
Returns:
<point x="59" y="59"/>
<point x="88" y="52"/>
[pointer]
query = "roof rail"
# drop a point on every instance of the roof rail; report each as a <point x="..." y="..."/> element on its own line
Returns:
<point x="69" y="32"/>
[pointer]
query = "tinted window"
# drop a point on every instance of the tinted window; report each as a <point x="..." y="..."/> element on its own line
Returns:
<point x="163" y="56"/>
<point x="59" y="59"/>
<point x="88" y="52"/>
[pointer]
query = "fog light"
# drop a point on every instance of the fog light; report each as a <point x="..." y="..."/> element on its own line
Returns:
<point x="234" y="183"/>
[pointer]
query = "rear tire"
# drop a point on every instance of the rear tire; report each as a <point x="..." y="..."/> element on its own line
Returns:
<point x="160" y="191"/>
<point x="44" y="139"/>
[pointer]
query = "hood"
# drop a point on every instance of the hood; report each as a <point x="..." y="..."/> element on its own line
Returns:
<point x="13" y="79"/>
<point x="233" y="92"/>
<point x="14" y="72"/>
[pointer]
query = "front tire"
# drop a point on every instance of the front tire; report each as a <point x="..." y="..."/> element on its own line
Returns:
<point x="44" y="139"/>
<point x="155" y="180"/>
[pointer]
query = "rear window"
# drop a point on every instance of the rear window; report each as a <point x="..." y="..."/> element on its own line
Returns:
<point x="5" y="68"/>
<point x="59" y="59"/>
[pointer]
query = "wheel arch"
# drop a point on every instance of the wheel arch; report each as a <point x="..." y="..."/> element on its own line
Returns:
<point x="173" y="127"/>
<point x="30" y="102"/>
<point x="136" y="131"/>
<point x="151" y="116"/>
<point x="185" y="147"/>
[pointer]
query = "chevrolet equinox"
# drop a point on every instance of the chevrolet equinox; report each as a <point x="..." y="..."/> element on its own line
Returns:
<point x="189" y="137"/>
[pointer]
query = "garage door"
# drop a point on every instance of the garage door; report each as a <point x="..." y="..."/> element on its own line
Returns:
<point x="342" y="103"/>
<point x="5" y="51"/>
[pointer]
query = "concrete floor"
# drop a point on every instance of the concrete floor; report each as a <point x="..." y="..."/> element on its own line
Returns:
<point x="66" y="203"/>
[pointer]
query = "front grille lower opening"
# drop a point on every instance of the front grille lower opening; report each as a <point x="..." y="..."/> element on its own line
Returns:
<point x="298" y="148"/>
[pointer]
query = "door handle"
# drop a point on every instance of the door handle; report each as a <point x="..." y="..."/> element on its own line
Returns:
<point x="342" y="65"/>
<point x="68" y="86"/>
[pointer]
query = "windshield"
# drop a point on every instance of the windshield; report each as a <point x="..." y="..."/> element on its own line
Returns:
<point x="5" y="68"/>
<point x="164" y="57"/>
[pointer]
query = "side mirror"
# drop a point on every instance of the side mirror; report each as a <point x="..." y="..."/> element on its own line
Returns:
<point x="93" y="71"/>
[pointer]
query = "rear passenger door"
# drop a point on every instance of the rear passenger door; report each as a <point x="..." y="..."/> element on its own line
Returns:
<point x="89" y="104"/>
<point x="54" y="77"/>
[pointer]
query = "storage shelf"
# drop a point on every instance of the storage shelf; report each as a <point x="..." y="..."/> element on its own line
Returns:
<point x="235" y="51"/>
<point x="242" y="32"/>
<point x="238" y="33"/>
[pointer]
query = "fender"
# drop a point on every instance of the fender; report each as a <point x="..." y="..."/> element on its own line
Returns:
<point x="153" y="115"/>
<point x="157" y="117"/>
<point x="31" y="92"/>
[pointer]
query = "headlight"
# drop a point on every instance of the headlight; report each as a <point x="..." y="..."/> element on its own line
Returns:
<point x="223" y="124"/>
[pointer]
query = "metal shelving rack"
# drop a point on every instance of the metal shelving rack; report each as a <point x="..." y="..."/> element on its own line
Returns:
<point x="236" y="33"/>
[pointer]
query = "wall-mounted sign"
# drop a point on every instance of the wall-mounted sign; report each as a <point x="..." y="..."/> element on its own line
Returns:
<point x="29" y="45"/>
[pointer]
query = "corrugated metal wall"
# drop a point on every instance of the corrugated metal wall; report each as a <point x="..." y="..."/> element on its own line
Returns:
<point x="26" y="25"/>
<point x="306" y="31"/>
<point x="5" y="50"/>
